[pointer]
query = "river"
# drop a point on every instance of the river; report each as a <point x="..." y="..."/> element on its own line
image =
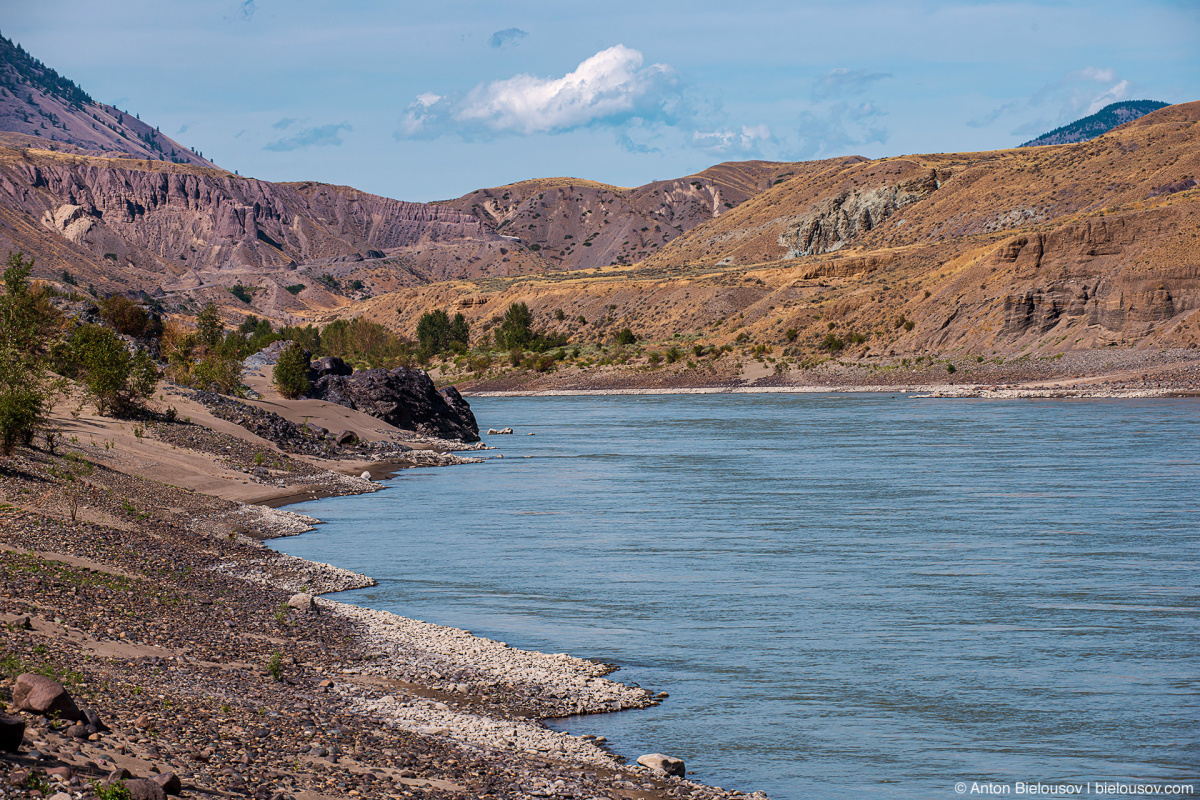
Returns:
<point x="872" y="593"/>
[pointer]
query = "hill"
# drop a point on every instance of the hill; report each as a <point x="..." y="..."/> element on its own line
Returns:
<point x="1028" y="251"/>
<point x="1093" y="125"/>
<point x="40" y="108"/>
<point x="577" y="224"/>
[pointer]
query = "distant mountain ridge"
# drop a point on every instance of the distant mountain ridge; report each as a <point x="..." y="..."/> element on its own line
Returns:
<point x="1103" y="121"/>
<point x="40" y="108"/>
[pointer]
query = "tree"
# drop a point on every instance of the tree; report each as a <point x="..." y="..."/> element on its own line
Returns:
<point x="210" y="326"/>
<point x="27" y="324"/>
<point x="116" y="380"/>
<point x="433" y="331"/>
<point x="291" y="372"/>
<point x="460" y="332"/>
<point x="516" y="328"/>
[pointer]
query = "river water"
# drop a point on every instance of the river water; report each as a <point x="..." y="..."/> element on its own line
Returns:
<point x="843" y="594"/>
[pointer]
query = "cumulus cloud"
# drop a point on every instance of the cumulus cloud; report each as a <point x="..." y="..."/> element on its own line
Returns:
<point x="842" y="82"/>
<point x="316" y="136"/>
<point x="611" y="87"/>
<point x="841" y="127"/>
<point x="509" y="37"/>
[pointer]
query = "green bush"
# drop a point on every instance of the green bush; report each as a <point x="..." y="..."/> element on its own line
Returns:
<point x="241" y="293"/>
<point x="832" y="343"/>
<point x="27" y="324"/>
<point x="291" y="372"/>
<point x="626" y="337"/>
<point x="115" y="380"/>
<point x="296" y="288"/>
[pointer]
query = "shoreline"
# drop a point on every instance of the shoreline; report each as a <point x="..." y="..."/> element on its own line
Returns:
<point x="980" y="391"/>
<point x="361" y="699"/>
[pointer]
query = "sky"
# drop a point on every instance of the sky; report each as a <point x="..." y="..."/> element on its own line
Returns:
<point x="431" y="100"/>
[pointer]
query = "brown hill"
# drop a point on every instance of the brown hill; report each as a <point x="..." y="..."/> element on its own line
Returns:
<point x="1016" y="251"/>
<point x="578" y="224"/>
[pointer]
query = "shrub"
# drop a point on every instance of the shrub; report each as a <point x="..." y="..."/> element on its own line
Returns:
<point x="241" y="293"/>
<point x="291" y="372"/>
<point x="27" y="323"/>
<point x="909" y="325"/>
<point x="124" y="316"/>
<point x="832" y="343"/>
<point x="950" y="368"/>
<point x="296" y="288"/>
<point x="791" y="334"/>
<point x="626" y="337"/>
<point x="115" y="380"/>
<point x="673" y="354"/>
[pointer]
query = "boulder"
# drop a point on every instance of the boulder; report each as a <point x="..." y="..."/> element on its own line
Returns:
<point x="117" y="775"/>
<point x="144" y="789"/>
<point x="12" y="731"/>
<point x="405" y="398"/>
<point x="94" y="720"/>
<point x="665" y="765"/>
<point x="169" y="782"/>
<point x="41" y="695"/>
<point x="346" y="437"/>
<point x="328" y="365"/>
<point x="303" y="602"/>
<point x="499" y="431"/>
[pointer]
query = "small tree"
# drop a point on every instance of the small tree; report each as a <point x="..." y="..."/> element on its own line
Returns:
<point x="27" y="324"/>
<point x="516" y="329"/>
<point x="116" y="380"/>
<point x="460" y="332"/>
<point x="291" y="372"/>
<point x="211" y="329"/>
<point x="124" y="315"/>
<point x="433" y="331"/>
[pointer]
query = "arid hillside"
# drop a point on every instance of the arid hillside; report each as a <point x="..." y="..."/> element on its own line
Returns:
<point x="577" y="224"/>
<point x="1026" y="250"/>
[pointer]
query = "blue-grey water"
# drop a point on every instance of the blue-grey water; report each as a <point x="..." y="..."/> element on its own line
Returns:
<point x="867" y="594"/>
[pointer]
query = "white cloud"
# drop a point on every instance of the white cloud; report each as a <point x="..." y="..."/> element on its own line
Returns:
<point x="1116" y="92"/>
<point x="610" y="87"/>
<point x="750" y="139"/>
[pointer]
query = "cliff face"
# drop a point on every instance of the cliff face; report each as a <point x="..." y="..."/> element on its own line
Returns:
<point x="152" y="226"/>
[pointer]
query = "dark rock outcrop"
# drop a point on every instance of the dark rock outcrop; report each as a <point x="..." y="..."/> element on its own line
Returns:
<point x="405" y="398"/>
<point x="12" y="731"/>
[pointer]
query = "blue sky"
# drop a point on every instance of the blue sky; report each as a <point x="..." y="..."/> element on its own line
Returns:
<point x="424" y="101"/>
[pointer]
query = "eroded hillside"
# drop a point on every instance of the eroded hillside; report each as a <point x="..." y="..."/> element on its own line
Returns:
<point x="1026" y="250"/>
